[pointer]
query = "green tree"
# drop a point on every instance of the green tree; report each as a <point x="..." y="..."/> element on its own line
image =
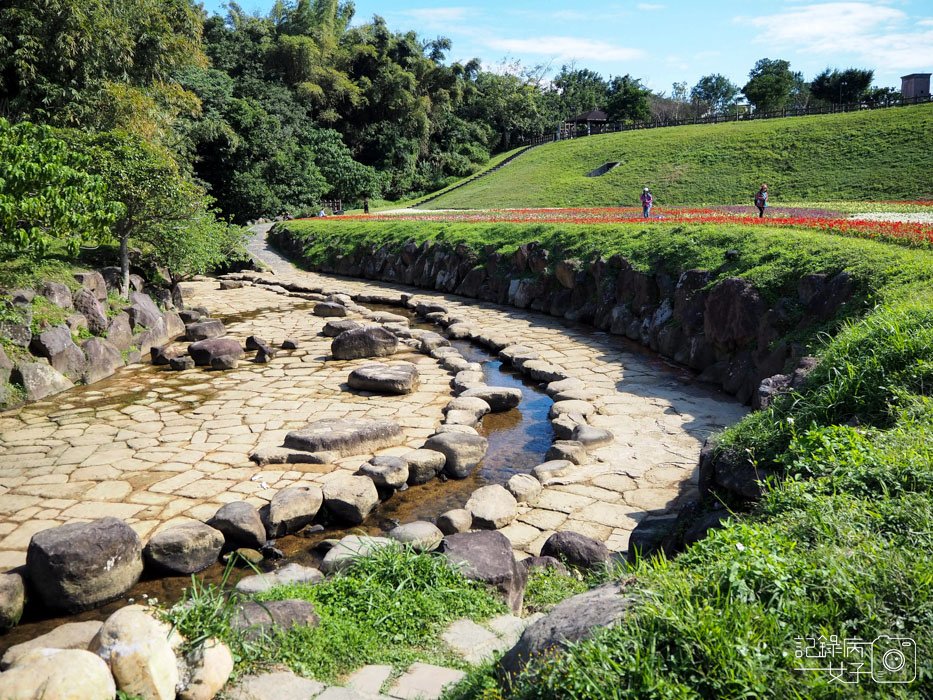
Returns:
<point x="159" y="202"/>
<point x="770" y="84"/>
<point x="715" y="92"/>
<point x="841" y="87"/>
<point x="580" y="90"/>
<point x="47" y="197"/>
<point x="628" y="100"/>
<point x="65" y="62"/>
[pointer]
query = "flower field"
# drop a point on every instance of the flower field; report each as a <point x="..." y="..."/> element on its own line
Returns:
<point x="907" y="232"/>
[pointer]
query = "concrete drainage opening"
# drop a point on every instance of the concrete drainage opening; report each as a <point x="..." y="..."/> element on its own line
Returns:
<point x="603" y="169"/>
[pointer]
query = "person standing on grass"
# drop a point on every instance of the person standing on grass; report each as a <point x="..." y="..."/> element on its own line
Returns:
<point x="647" y="201"/>
<point x="761" y="200"/>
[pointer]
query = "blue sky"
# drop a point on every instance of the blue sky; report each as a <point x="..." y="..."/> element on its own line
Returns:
<point x="663" y="41"/>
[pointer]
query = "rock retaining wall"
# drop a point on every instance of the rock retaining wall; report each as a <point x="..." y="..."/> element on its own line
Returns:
<point x="726" y="329"/>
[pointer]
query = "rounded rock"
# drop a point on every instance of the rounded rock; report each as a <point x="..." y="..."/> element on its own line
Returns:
<point x="421" y="535"/>
<point x="351" y="498"/>
<point x="524" y="487"/>
<point x="185" y="549"/>
<point x="386" y="471"/>
<point x="492" y="507"/>
<point x="455" y="521"/>
<point x="240" y="524"/>
<point x="423" y="465"/>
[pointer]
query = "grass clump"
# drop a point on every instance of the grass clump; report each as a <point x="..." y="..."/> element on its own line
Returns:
<point x="855" y="156"/>
<point x="387" y="608"/>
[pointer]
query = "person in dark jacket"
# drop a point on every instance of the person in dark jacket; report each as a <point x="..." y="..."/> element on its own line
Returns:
<point x="761" y="200"/>
<point x="647" y="201"/>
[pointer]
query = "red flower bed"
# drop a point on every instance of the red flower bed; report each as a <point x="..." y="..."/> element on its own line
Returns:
<point x="911" y="233"/>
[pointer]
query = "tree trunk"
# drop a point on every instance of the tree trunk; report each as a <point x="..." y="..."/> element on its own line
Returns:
<point x="124" y="267"/>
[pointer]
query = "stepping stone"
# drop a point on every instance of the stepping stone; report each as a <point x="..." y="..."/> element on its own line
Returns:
<point x="400" y="378"/>
<point x="553" y="469"/>
<point x="424" y="682"/>
<point x="542" y="371"/>
<point x="471" y="642"/>
<point x="205" y="330"/>
<point x="454" y="521"/>
<point x="461" y="450"/>
<point x="508" y="627"/>
<point x="591" y="437"/>
<point x="255" y="620"/>
<point x="336" y="692"/>
<point x="499" y="398"/>
<point x="569" y="450"/>
<point x="351" y="498"/>
<point x="556" y="387"/>
<point x="364" y="342"/>
<point x="329" y="309"/>
<point x="518" y="355"/>
<point x="283" y="685"/>
<point x="205" y="351"/>
<point x="493" y="507"/>
<point x="369" y="679"/>
<point x="282" y="455"/>
<point x="386" y="471"/>
<point x="524" y="487"/>
<point x="571" y="407"/>
<point x="185" y="549"/>
<point x="334" y="328"/>
<point x="350" y="436"/>
<point x="575" y="549"/>
<point x="423" y="465"/>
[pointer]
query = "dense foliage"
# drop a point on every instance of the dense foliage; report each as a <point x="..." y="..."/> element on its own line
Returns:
<point x="47" y="198"/>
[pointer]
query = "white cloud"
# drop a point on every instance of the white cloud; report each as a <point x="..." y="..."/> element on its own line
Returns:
<point x="650" y="6"/>
<point x="883" y="36"/>
<point x="566" y="48"/>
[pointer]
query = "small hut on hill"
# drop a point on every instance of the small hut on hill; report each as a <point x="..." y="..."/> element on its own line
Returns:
<point x="592" y="122"/>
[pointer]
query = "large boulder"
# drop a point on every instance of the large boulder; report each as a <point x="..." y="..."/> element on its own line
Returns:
<point x="71" y="635"/>
<point x="351" y="498"/>
<point x="93" y="282"/>
<point x="174" y="327"/>
<point x="488" y="557"/>
<point x="138" y="649"/>
<point x="103" y="359"/>
<point x="350" y="548"/>
<point x="575" y="549"/>
<point x="423" y="465"/>
<point x="373" y="341"/>
<point x="204" y="352"/>
<point x="398" y="378"/>
<point x="257" y="620"/>
<point x="462" y="452"/>
<point x="574" y="619"/>
<point x="291" y="509"/>
<point x="12" y="597"/>
<point x="55" y="344"/>
<point x="492" y="507"/>
<point x="732" y="313"/>
<point x="143" y="311"/>
<point x="87" y="305"/>
<point x="499" y="398"/>
<point x="58" y="294"/>
<point x="240" y="524"/>
<point x="185" y="549"/>
<point x="82" y="565"/>
<point x="58" y="674"/>
<point x="205" y="330"/>
<point x="347" y="436"/>
<point x="120" y="332"/>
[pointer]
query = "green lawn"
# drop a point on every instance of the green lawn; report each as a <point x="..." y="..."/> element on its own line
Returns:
<point x="872" y="155"/>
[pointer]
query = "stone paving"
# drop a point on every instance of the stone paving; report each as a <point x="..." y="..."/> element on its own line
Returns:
<point x="157" y="448"/>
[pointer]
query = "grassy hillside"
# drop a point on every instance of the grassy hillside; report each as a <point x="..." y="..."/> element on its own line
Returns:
<point x="876" y="155"/>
